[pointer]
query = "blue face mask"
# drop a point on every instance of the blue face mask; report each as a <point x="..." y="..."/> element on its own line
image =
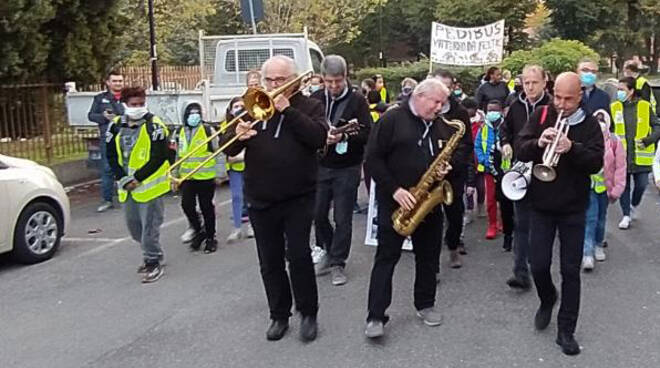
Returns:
<point x="314" y="88"/>
<point x="493" y="116"/>
<point x="621" y="96"/>
<point x="588" y="79"/>
<point x="194" y="119"/>
<point x="458" y="92"/>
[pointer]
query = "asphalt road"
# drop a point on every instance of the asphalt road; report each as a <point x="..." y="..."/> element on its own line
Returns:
<point x="87" y="308"/>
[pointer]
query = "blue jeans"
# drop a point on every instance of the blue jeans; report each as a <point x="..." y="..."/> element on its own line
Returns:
<point x="594" y="230"/>
<point x="641" y="180"/>
<point x="107" y="179"/>
<point x="236" y="187"/>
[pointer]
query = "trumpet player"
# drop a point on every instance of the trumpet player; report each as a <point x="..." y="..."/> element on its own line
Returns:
<point x="200" y="188"/>
<point x="560" y="205"/>
<point x="400" y="149"/>
<point x="280" y="183"/>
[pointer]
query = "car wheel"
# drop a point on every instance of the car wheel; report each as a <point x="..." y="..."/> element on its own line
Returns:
<point x="37" y="234"/>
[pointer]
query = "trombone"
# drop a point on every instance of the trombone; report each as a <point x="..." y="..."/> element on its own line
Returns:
<point x="259" y="106"/>
<point x="545" y="171"/>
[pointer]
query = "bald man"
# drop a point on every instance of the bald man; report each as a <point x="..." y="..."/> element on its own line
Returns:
<point x="560" y="205"/>
<point x="280" y="184"/>
<point x="401" y="147"/>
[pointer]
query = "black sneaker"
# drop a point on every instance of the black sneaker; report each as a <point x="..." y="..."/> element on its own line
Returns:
<point x="544" y="314"/>
<point x="568" y="344"/>
<point x="277" y="329"/>
<point x="507" y="244"/>
<point x="196" y="242"/>
<point x="142" y="269"/>
<point x="153" y="273"/>
<point x="519" y="283"/>
<point x="308" y="328"/>
<point x="211" y="245"/>
<point x="461" y="247"/>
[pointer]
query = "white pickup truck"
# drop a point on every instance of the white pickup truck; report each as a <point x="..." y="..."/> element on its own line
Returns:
<point x="224" y="62"/>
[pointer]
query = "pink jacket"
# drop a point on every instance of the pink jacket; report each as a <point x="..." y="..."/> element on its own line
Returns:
<point x="614" y="166"/>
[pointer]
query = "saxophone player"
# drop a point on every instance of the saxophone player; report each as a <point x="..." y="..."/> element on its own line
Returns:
<point x="400" y="150"/>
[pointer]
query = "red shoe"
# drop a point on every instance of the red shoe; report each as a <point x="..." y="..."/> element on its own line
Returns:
<point x="491" y="233"/>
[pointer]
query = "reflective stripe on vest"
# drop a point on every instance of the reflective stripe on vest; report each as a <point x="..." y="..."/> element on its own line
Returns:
<point x="207" y="172"/>
<point x="640" y="84"/>
<point x="484" y="145"/>
<point x="157" y="183"/>
<point x="643" y="157"/>
<point x="598" y="182"/>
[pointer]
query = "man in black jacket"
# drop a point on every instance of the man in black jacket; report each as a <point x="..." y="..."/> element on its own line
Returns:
<point x="340" y="167"/>
<point x="401" y="147"/>
<point x="105" y="108"/>
<point x="560" y="205"/>
<point x="281" y="172"/>
<point x="461" y="176"/>
<point x="530" y="100"/>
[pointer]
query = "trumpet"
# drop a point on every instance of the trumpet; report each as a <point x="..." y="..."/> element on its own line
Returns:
<point x="545" y="171"/>
<point x="259" y="106"/>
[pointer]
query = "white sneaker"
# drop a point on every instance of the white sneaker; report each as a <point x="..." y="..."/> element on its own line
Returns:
<point x="588" y="263"/>
<point x="104" y="207"/>
<point x="625" y="223"/>
<point x="323" y="266"/>
<point x="235" y="236"/>
<point x="188" y="235"/>
<point x="633" y="213"/>
<point x="249" y="231"/>
<point x="317" y="254"/>
<point x="599" y="254"/>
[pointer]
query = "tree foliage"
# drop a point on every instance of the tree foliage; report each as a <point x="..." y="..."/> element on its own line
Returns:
<point x="555" y="56"/>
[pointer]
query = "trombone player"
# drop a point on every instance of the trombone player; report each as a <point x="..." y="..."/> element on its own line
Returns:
<point x="280" y="185"/>
<point x="560" y="205"/>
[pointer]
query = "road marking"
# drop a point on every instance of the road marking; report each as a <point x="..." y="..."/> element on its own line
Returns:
<point x="112" y="242"/>
<point x="87" y="240"/>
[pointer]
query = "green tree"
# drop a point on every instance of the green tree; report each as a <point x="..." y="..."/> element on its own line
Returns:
<point x="471" y="13"/>
<point x="24" y="48"/>
<point x="555" y="56"/>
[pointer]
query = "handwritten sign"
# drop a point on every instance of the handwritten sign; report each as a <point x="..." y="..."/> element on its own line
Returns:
<point x="467" y="46"/>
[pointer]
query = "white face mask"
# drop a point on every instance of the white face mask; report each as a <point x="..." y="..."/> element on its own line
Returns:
<point x="135" y="113"/>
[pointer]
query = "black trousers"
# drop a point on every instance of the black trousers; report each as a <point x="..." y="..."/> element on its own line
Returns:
<point x="202" y="191"/>
<point x="506" y="208"/>
<point x="425" y="241"/>
<point x="454" y="213"/>
<point x="282" y="234"/>
<point x="543" y="228"/>
<point x="339" y="188"/>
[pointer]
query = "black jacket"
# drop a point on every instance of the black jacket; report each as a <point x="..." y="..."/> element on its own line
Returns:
<point x="281" y="160"/>
<point x="102" y="102"/>
<point x="569" y="192"/>
<point x="353" y="106"/>
<point x="488" y="91"/>
<point x="159" y="152"/>
<point x="462" y="160"/>
<point x="516" y="118"/>
<point x="397" y="156"/>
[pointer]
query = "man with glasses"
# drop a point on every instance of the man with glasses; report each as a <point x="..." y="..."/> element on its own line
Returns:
<point x="280" y="186"/>
<point x="593" y="98"/>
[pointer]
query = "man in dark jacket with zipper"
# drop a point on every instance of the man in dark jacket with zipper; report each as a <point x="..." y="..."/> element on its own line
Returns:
<point x="340" y="167"/>
<point x="560" y="205"/>
<point x="105" y="108"/>
<point x="532" y="98"/>
<point x="281" y="172"/>
<point x="401" y="148"/>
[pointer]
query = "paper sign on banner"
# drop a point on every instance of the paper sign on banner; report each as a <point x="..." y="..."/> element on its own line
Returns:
<point x="467" y="46"/>
<point x="372" y="222"/>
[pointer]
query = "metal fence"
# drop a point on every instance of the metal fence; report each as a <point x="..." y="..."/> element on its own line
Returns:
<point x="33" y="124"/>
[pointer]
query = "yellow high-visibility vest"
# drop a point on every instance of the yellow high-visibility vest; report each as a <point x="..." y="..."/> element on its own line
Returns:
<point x="643" y="157"/>
<point x="207" y="172"/>
<point x="639" y="84"/>
<point x="236" y="166"/>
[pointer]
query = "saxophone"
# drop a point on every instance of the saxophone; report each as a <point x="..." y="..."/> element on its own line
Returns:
<point x="429" y="191"/>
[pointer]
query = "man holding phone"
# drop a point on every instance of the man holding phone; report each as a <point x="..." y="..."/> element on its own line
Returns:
<point x="105" y="108"/>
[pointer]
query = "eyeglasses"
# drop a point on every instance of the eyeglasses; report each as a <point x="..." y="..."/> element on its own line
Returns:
<point x="276" y="80"/>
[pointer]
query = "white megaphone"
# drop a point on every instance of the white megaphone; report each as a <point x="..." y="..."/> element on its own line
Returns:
<point x="516" y="181"/>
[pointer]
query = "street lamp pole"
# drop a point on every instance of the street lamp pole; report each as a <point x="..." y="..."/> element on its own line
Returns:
<point x="152" y="42"/>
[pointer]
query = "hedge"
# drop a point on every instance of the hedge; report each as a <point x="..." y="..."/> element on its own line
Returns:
<point x="393" y="75"/>
<point x="556" y="56"/>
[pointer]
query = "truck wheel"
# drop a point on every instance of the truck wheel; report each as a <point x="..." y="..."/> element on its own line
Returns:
<point x="37" y="234"/>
